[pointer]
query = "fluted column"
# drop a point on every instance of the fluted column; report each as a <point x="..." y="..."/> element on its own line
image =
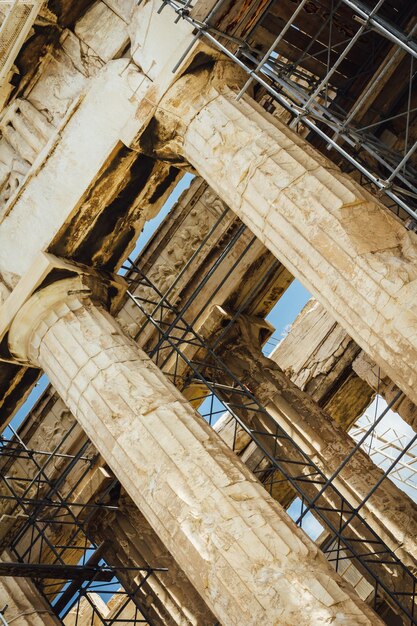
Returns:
<point x="243" y="553"/>
<point x="390" y="512"/>
<point x="131" y="542"/>
<point x="345" y="247"/>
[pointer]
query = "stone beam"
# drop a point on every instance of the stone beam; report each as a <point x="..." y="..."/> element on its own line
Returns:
<point x="317" y="355"/>
<point x="77" y="159"/>
<point x="321" y="359"/>
<point x="368" y="371"/>
<point x="234" y="18"/>
<point x="15" y="21"/>
<point x="195" y="229"/>
<point x="87" y="611"/>
<point x="214" y="534"/>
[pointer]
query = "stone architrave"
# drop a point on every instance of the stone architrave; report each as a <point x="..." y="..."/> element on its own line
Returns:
<point x="246" y="557"/>
<point x="317" y="355"/>
<point x="321" y="359"/>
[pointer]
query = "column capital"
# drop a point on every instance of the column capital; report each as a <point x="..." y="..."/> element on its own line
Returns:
<point x="208" y="75"/>
<point x="50" y="282"/>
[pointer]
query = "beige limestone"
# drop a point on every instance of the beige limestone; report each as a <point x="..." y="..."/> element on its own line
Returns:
<point x="122" y="8"/>
<point x="371" y="373"/>
<point x="167" y="263"/>
<point x="311" y="216"/>
<point x="244" y="554"/>
<point x="169" y="596"/>
<point x="94" y="111"/>
<point x="92" y="131"/>
<point x="21" y="603"/>
<point x="103" y="31"/>
<point x="321" y="359"/>
<point x="317" y="355"/>
<point x="31" y="120"/>
<point x="16" y="21"/>
<point x="24" y="133"/>
<point x="87" y="611"/>
<point x="389" y="512"/>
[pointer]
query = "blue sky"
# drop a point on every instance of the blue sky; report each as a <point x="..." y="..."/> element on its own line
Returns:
<point x="285" y="311"/>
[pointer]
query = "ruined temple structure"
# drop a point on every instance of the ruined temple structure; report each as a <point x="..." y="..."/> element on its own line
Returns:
<point x="159" y="464"/>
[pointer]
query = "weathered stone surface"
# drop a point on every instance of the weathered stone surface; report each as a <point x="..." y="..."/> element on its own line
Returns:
<point x="317" y="355"/>
<point x="21" y="602"/>
<point x="30" y="121"/>
<point x="103" y="31"/>
<point x="371" y="373"/>
<point x="234" y="17"/>
<point x="170" y="599"/>
<point x="16" y="21"/>
<point x="166" y="256"/>
<point x="24" y="133"/>
<point x="248" y="191"/>
<point x="94" y="128"/>
<point x="168" y="596"/>
<point x="123" y="8"/>
<point x="183" y="250"/>
<point x="390" y="512"/>
<point x="321" y="359"/>
<point x="309" y="214"/>
<point x="244" y="554"/>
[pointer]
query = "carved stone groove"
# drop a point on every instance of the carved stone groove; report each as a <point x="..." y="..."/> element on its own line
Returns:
<point x="239" y="547"/>
<point x="310" y="215"/>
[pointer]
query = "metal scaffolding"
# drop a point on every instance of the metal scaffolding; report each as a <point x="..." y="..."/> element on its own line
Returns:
<point x="318" y="100"/>
<point x="385" y="446"/>
<point x="44" y="494"/>
<point x="68" y="567"/>
<point x="349" y="536"/>
<point x="45" y="527"/>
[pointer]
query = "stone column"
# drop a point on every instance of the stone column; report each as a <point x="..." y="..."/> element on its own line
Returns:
<point x="131" y="542"/>
<point x="245" y="556"/>
<point x="390" y="512"/>
<point x="345" y="247"/>
<point x="21" y="603"/>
